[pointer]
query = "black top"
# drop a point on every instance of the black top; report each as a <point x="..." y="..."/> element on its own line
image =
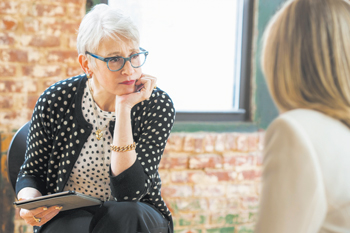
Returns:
<point x="58" y="132"/>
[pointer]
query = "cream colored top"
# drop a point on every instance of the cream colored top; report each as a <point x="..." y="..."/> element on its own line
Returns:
<point x="306" y="177"/>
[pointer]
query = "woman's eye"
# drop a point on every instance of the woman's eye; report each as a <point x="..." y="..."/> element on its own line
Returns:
<point x="135" y="56"/>
<point x="115" y="59"/>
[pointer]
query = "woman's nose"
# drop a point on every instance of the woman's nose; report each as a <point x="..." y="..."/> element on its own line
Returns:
<point x="128" y="69"/>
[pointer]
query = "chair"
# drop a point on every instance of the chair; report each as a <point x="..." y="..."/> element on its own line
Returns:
<point x="16" y="152"/>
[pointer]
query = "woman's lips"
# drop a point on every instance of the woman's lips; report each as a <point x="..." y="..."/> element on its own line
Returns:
<point x="131" y="82"/>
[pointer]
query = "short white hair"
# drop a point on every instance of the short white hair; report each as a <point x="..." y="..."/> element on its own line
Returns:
<point x="103" y="22"/>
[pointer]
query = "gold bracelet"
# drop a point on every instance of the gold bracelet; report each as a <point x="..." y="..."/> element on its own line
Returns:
<point x="124" y="148"/>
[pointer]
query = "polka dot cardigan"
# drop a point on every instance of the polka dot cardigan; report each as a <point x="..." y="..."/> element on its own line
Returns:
<point x="59" y="131"/>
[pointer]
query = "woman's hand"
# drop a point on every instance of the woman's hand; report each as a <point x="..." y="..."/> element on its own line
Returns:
<point x="147" y="82"/>
<point x="39" y="216"/>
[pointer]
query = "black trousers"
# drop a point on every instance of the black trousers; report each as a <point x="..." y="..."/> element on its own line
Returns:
<point x="116" y="217"/>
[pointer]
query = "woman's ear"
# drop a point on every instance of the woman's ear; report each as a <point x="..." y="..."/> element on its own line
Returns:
<point x="84" y="63"/>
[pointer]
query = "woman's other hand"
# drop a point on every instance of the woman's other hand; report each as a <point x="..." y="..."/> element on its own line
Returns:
<point x="39" y="216"/>
<point x="147" y="82"/>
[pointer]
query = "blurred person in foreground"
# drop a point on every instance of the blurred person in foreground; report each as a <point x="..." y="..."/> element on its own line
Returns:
<point x="306" y="166"/>
<point x="101" y="134"/>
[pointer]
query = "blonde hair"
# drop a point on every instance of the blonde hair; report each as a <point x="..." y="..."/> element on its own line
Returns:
<point x="306" y="57"/>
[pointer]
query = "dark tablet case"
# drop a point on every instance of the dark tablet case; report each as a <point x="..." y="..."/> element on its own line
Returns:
<point x="68" y="200"/>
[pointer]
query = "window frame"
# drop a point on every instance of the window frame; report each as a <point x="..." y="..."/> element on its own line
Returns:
<point x="244" y="111"/>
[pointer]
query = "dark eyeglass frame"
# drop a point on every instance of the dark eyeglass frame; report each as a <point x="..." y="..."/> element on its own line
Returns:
<point x="125" y="59"/>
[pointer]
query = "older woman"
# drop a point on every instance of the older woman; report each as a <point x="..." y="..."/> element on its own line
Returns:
<point x="100" y="134"/>
<point x="306" y="61"/>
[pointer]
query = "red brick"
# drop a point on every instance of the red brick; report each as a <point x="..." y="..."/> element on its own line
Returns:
<point x="63" y="56"/>
<point x="205" y="161"/>
<point x="231" y="162"/>
<point x="251" y="174"/>
<point x="6" y="39"/>
<point x="188" y="143"/>
<point x="32" y="101"/>
<point x="31" y="24"/>
<point x="35" y="55"/>
<point x="209" y="142"/>
<point x="198" y="144"/>
<point x="231" y="142"/>
<point x="72" y="41"/>
<point x="32" y="86"/>
<point x="9" y="7"/>
<point x="175" y="143"/>
<point x="13" y="55"/>
<point x="205" y="190"/>
<point x="253" y="142"/>
<point x="11" y="86"/>
<point x="41" y="71"/>
<point x="9" y="23"/>
<point x="222" y="175"/>
<point x="173" y="163"/>
<point x="220" y="142"/>
<point x="198" y="177"/>
<point x="51" y="10"/>
<point x="73" y="71"/>
<point x="177" y="191"/>
<point x="44" y="41"/>
<point x="242" y="143"/>
<point x="64" y="27"/>
<point x="7" y="71"/>
<point x="6" y="102"/>
<point x="76" y="12"/>
<point x="12" y="120"/>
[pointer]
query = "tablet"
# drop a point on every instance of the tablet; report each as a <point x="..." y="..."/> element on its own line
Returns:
<point x="68" y="200"/>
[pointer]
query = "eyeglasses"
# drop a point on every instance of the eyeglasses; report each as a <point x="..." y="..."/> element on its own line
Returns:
<point x="117" y="63"/>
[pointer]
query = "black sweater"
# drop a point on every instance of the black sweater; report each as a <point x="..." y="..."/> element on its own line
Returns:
<point x="58" y="132"/>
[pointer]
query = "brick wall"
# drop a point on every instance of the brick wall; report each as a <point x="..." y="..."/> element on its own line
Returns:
<point x="37" y="48"/>
<point x="210" y="180"/>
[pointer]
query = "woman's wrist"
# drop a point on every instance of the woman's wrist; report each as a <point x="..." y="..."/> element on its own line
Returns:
<point x="122" y="108"/>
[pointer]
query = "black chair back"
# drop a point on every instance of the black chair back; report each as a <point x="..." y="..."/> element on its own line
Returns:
<point x="16" y="152"/>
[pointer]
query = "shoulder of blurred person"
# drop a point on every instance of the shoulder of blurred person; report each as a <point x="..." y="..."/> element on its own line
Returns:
<point x="321" y="129"/>
<point x="306" y="172"/>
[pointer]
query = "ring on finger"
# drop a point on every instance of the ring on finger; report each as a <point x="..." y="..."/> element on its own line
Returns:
<point x="37" y="219"/>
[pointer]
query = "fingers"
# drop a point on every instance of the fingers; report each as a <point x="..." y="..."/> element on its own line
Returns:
<point x="39" y="216"/>
<point x="149" y="83"/>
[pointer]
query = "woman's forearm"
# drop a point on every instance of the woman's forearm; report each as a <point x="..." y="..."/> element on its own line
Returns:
<point x="28" y="193"/>
<point x="120" y="161"/>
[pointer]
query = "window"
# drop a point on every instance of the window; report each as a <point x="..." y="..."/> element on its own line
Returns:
<point x="197" y="52"/>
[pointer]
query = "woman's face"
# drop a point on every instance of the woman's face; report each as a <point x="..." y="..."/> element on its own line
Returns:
<point x="119" y="82"/>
